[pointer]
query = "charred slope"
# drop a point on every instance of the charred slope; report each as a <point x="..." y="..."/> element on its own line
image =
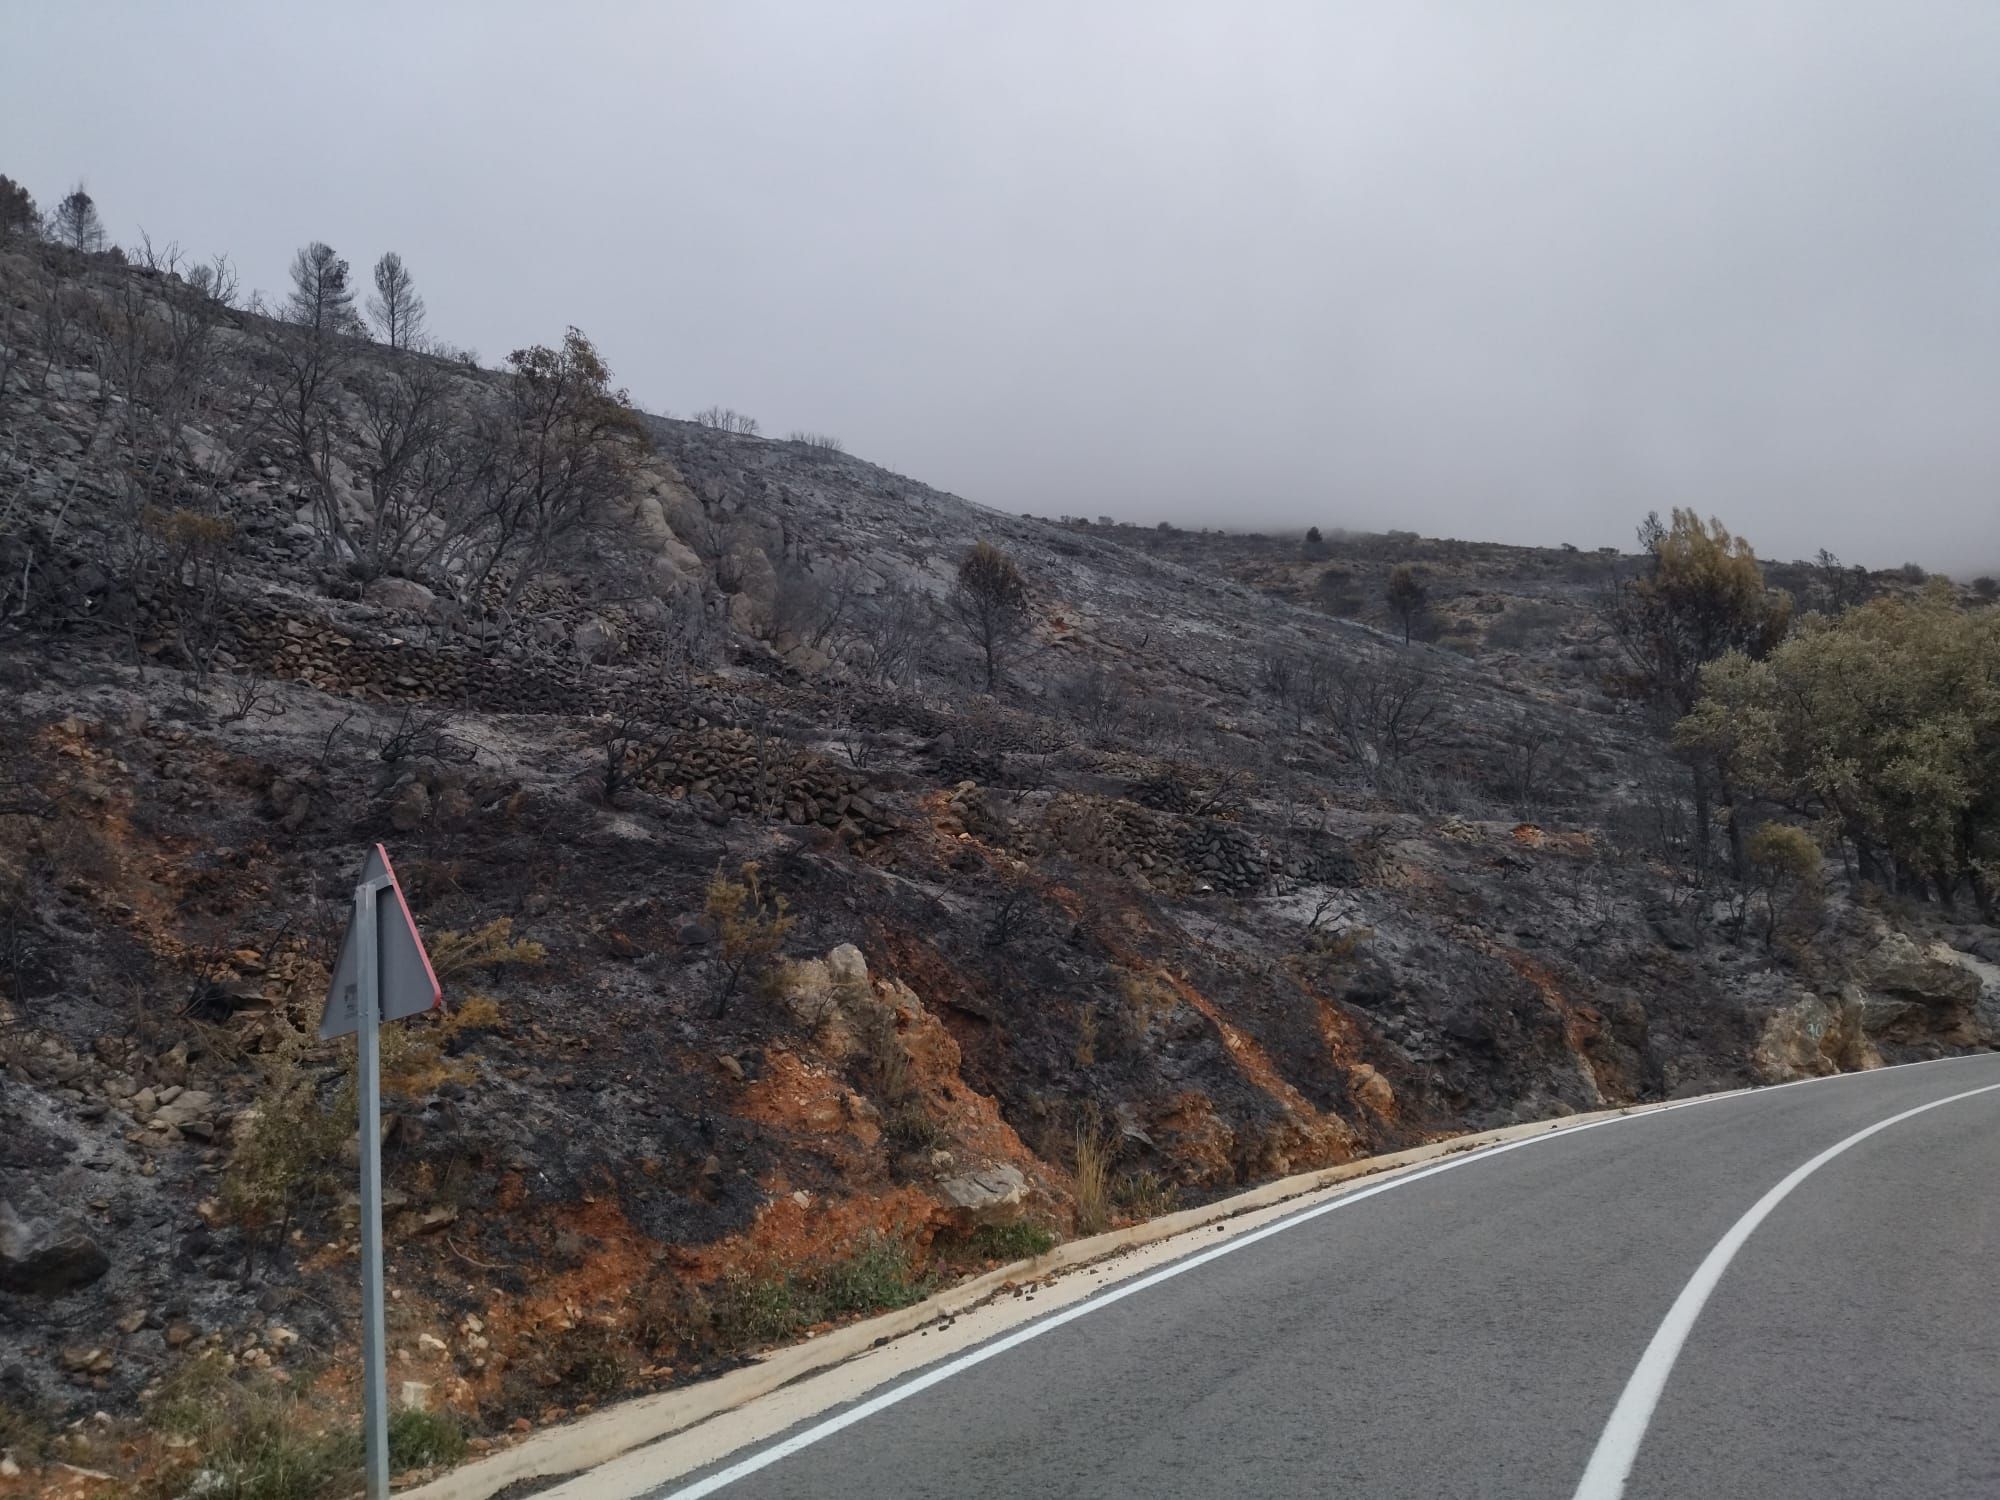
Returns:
<point x="1214" y="888"/>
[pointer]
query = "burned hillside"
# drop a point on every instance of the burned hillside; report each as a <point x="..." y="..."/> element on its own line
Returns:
<point x="816" y="920"/>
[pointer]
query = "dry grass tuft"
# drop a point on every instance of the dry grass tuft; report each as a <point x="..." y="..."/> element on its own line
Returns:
<point x="1095" y="1151"/>
<point x="488" y="947"/>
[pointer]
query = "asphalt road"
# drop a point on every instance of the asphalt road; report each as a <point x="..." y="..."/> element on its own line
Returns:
<point x="1469" y="1333"/>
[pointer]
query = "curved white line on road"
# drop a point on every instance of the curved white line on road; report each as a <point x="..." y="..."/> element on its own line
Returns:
<point x="1618" y="1448"/>
<point x="819" y="1431"/>
<point x="984" y="1352"/>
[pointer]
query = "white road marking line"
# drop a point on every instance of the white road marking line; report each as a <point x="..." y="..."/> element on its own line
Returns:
<point x="764" y="1458"/>
<point x="1618" y="1448"/>
<point x="985" y="1352"/>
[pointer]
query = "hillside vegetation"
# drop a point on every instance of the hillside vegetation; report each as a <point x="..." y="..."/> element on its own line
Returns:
<point x="837" y="885"/>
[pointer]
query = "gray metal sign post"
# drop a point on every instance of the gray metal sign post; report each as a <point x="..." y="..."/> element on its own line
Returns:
<point x="368" y="1087"/>
<point x="382" y="974"/>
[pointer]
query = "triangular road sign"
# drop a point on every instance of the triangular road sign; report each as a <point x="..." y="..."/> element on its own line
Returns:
<point x="408" y="984"/>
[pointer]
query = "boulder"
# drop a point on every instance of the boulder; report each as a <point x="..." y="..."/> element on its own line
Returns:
<point x="190" y="1107"/>
<point x="404" y="595"/>
<point x="1371" y="1088"/>
<point x="685" y="518"/>
<point x="39" y="1261"/>
<point x="668" y="579"/>
<point x="809" y="992"/>
<point x="595" y="641"/>
<point x="685" y="559"/>
<point x="986" y="1193"/>
<point x="1885" y="1016"/>
<point x="171" y="1066"/>
<point x="675" y="563"/>
<point x="1899" y="968"/>
<point x="412" y="808"/>
<point x="1126" y="1117"/>
<point x="847" y="968"/>
<point x="1812" y="1036"/>
<point x="1914" y="994"/>
<point x="807" y="661"/>
<point x="756" y="586"/>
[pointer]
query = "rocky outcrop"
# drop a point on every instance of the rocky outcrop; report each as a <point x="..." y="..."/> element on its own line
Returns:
<point x="755" y="593"/>
<point x="1811" y="1036"/>
<point x="404" y="596"/>
<point x="1903" y="996"/>
<point x="675" y="563"/>
<point x="1914" y="994"/>
<point x="40" y="1260"/>
<point x="987" y="1194"/>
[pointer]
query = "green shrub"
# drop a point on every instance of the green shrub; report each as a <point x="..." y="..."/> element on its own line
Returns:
<point x="277" y="1462"/>
<point x="294" y="1139"/>
<point x="249" y="1440"/>
<point x="252" y="1439"/>
<point x="424" y="1439"/>
<point x="1883" y="725"/>
<point x="1786" y="870"/>
<point x="1784" y="850"/>
<point x="880" y="1275"/>
<point x="746" y="1310"/>
<point x="1022" y="1239"/>
<point x="751" y="921"/>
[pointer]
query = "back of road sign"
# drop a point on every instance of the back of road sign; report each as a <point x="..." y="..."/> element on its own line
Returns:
<point x="408" y="985"/>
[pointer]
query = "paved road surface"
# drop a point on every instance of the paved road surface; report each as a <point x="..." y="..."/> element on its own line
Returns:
<point x="1470" y="1333"/>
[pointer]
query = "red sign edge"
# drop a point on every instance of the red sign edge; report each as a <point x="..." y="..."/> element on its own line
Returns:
<point x="437" y="991"/>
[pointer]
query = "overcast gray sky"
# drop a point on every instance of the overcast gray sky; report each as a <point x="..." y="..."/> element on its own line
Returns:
<point x="1506" y="270"/>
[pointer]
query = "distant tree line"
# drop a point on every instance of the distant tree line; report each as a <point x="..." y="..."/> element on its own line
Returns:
<point x="726" y="419"/>
<point x="476" y="486"/>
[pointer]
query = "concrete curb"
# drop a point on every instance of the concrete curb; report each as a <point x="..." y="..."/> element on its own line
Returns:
<point x="617" y="1430"/>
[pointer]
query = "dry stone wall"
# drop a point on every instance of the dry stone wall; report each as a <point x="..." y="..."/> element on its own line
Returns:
<point x="732" y="771"/>
<point x="480" y="672"/>
<point x="1177" y="853"/>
